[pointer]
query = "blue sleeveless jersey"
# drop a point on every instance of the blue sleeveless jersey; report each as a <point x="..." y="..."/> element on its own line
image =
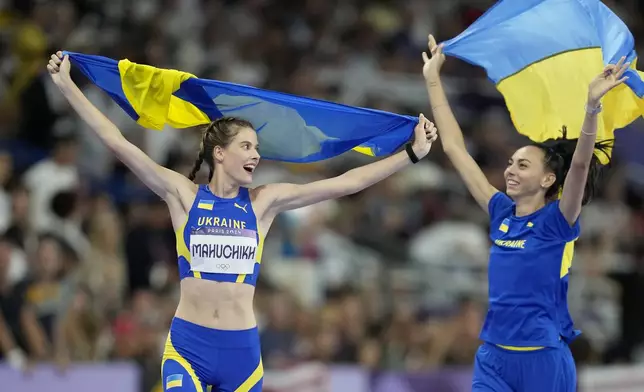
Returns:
<point x="530" y="259"/>
<point x="220" y="240"/>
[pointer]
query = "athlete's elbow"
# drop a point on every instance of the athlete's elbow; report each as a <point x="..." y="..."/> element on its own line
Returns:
<point x="116" y="142"/>
<point x="108" y="133"/>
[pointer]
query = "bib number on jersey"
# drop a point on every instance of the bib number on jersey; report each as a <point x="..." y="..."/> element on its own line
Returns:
<point x="226" y="252"/>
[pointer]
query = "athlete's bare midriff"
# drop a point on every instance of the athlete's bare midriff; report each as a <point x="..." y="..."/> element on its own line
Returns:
<point x="218" y="305"/>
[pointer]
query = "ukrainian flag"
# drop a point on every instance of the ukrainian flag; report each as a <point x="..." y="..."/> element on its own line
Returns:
<point x="206" y="204"/>
<point x="542" y="55"/>
<point x="174" y="381"/>
<point x="505" y="225"/>
<point x="290" y="128"/>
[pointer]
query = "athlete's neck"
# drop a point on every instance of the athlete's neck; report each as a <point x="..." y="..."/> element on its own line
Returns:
<point x="527" y="205"/>
<point x="223" y="189"/>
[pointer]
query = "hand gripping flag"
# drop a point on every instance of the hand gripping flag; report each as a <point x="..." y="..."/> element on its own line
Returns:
<point x="290" y="128"/>
<point x="542" y="55"/>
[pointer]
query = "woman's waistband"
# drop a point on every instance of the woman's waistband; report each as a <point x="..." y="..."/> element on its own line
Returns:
<point x="182" y="330"/>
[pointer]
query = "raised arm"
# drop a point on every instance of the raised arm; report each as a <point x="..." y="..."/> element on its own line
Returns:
<point x="575" y="183"/>
<point x="162" y="181"/>
<point x="285" y="197"/>
<point x="451" y="134"/>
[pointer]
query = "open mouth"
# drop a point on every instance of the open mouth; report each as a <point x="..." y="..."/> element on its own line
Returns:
<point x="249" y="168"/>
<point x="512" y="183"/>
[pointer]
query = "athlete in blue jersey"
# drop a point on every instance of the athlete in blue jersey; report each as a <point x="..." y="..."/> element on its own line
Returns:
<point x="532" y="228"/>
<point x="213" y="344"/>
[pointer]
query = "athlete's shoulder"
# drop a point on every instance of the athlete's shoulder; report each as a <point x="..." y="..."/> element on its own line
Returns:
<point x="261" y="197"/>
<point x="259" y="192"/>
<point x="500" y="205"/>
<point x="268" y="191"/>
<point x="551" y="208"/>
<point x="555" y="224"/>
<point x="196" y="192"/>
<point x="179" y="181"/>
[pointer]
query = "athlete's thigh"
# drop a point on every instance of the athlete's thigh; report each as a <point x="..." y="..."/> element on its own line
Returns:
<point x="176" y="377"/>
<point x="570" y="372"/>
<point x="554" y="371"/>
<point x="240" y="370"/>
<point x="487" y="372"/>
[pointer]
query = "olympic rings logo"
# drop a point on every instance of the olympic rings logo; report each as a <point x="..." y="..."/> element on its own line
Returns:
<point x="223" y="267"/>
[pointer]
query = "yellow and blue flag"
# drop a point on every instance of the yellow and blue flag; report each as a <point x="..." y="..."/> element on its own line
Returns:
<point x="206" y="204"/>
<point x="505" y="225"/>
<point x="174" y="381"/>
<point x="290" y="128"/>
<point x="542" y="55"/>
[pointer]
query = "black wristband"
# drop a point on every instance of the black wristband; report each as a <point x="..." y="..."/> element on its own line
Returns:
<point x="410" y="152"/>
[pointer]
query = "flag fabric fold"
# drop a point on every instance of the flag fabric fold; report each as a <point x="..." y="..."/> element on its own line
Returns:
<point x="290" y="128"/>
<point x="542" y="55"/>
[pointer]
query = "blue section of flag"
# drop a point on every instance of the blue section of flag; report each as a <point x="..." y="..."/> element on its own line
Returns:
<point x="512" y="35"/>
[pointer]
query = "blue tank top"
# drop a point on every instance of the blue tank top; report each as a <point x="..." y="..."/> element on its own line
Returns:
<point x="220" y="240"/>
<point x="529" y="264"/>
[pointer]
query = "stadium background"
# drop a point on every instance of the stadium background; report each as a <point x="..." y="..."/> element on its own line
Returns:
<point x="384" y="290"/>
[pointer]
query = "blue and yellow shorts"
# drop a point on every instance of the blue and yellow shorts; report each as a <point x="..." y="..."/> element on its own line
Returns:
<point x="200" y="359"/>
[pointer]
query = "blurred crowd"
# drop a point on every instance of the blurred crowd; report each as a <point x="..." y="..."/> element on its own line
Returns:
<point x="393" y="277"/>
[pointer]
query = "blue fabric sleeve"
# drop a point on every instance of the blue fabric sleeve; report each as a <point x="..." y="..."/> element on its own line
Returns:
<point x="557" y="226"/>
<point x="499" y="204"/>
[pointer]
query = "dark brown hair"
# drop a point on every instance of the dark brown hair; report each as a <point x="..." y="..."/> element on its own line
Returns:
<point x="218" y="133"/>
<point x="558" y="158"/>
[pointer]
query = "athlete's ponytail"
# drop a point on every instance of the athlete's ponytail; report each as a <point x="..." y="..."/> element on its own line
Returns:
<point x="558" y="158"/>
<point x="197" y="165"/>
<point x="218" y="133"/>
